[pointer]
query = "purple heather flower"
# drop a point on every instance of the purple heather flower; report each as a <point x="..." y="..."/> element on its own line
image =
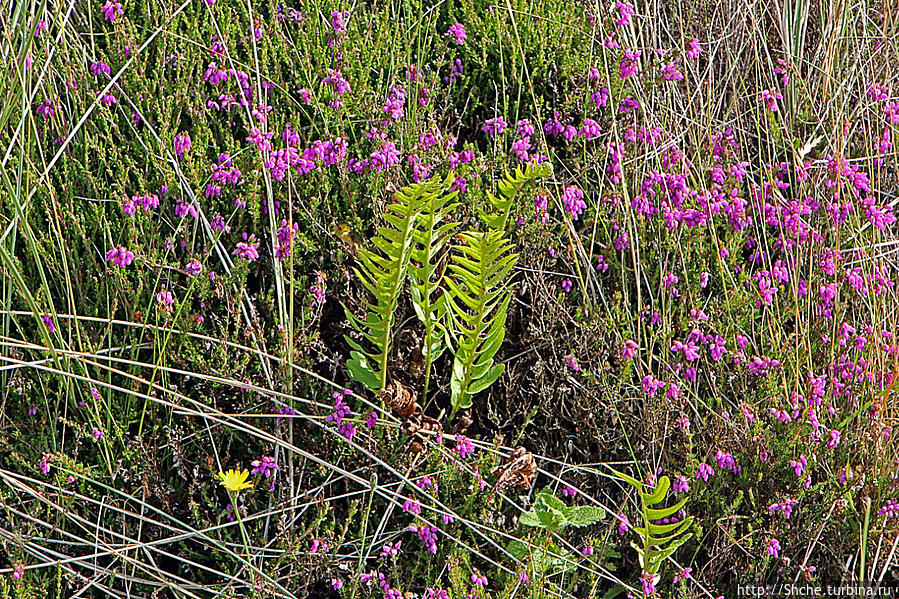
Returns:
<point x="628" y="104"/>
<point x="120" y="257"/>
<point x="165" y="297"/>
<point x="464" y="446"/>
<point x="260" y="140"/>
<point x="726" y="460"/>
<point x="112" y="9"/>
<point x="566" y="285"/>
<point x="338" y="21"/>
<point x="890" y="509"/>
<point x="773" y="547"/>
<point x="694" y="50"/>
<point x="623" y="524"/>
<point x="181" y="144"/>
<point x="626" y="11"/>
<point x="524" y="128"/>
<point x="337" y="584"/>
<point x="670" y="73"/>
<point x="769" y="97"/>
<point x="46" y="109"/>
<point x="834" y="439"/>
<point x="428" y="536"/>
<point x="571" y="362"/>
<point x="246" y="249"/>
<point x="285" y="235"/>
<point x="100" y="67"/>
<point x="649" y="583"/>
<point x="347" y="429"/>
<point x="391" y="549"/>
<point x="44" y="463"/>
<point x="681" y="484"/>
<point x="182" y="210"/>
<point x="107" y="99"/>
<point x="573" y="198"/>
<point x="336" y="80"/>
<point x="457" y="31"/>
<point x="590" y="130"/>
<point x="318" y="295"/>
<point x="494" y="126"/>
<point x="394" y="103"/>
<point x="704" y="471"/>
<point x="384" y="157"/>
<point x="684" y="574"/>
<point x="569" y="491"/>
<point x="799" y="465"/>
<point x="266" y="466"/>
<point x="652" y="385"/>
<point x="478" y="579"/>
<point x="193" y="268"/>
<point x="97" y="433"/>
<point x="371" y="420"/>
<point x="629" y="66"/>
<point x="629" y="349"/>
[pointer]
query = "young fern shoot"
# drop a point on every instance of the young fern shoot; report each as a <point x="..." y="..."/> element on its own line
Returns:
<point x="432" y="231"/>
<point x="480" y="292"/>
<point x="658" y="541"/>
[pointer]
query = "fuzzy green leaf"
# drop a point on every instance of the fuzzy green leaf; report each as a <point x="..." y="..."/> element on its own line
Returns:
<point x="583" y="515"/>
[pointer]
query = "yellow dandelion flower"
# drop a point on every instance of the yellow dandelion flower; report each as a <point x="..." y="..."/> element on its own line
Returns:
<point x="235" y="480"/>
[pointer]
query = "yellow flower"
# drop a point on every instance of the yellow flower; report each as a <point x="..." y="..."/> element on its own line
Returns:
<point x="235" y="481"/>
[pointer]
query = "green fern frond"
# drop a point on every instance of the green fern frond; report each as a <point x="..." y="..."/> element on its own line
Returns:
<point x="433" y="229"/>
<point x="480" y="290"/>
<point x="509" y="188"/>
<point x="382" y="270"/>
<point x="658" y="541"/>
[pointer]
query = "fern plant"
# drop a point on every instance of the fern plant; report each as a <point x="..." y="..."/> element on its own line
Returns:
<point x="433" y="229"/>
<point x="480" y="292"/>
<point x="383" y="270"/>
<point x="657" y="541"/>
<point x="509" y="188"/>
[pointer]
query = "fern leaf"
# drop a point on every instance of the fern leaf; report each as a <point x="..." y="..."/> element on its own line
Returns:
<point x="659" y="541"/>
<point x="658" y="494"/>
<point x="509" y="188"/>
<point x="432" y="231"/>
<point x="658" y="514"/>
<point x="382" y="270"/>
<point x="478" y="299"/>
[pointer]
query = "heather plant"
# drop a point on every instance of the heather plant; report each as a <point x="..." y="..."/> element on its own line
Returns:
<point x="446" y="299"/>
